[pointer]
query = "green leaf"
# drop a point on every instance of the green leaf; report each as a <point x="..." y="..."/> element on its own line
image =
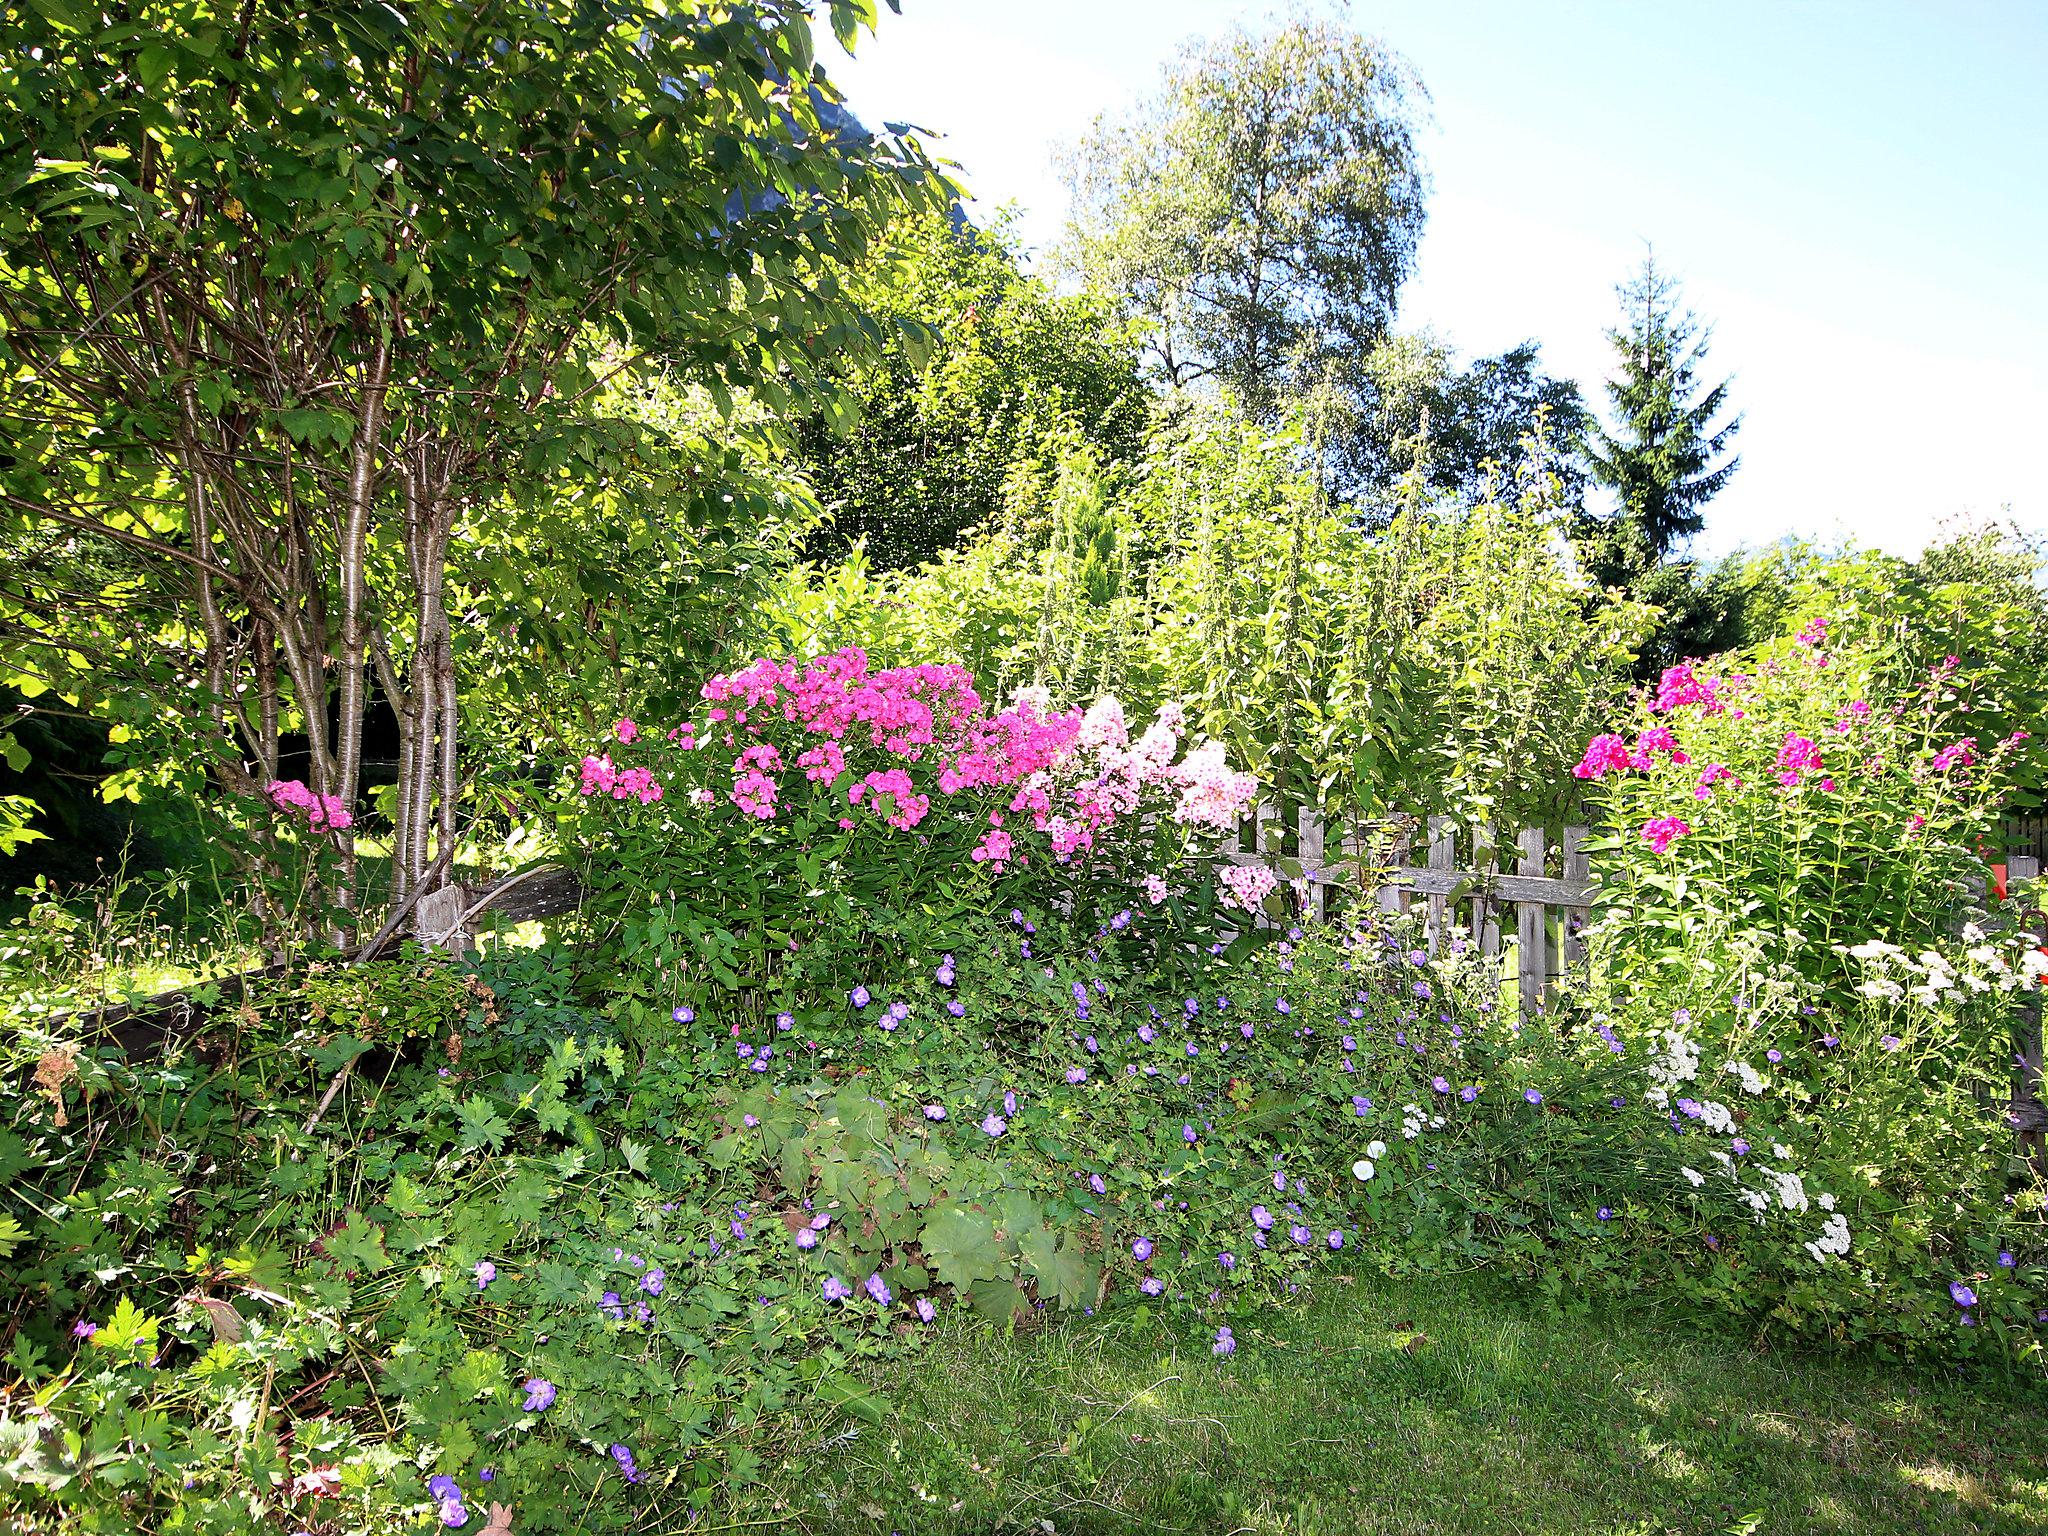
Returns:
<point x="848" y="1395"/>
<point x="359" y="1245"/>
<point x="961" y="1245"/>
<point x="482" y="1125"/>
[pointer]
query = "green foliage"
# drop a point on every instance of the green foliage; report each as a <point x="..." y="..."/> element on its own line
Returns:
<point x="298" y="302"/>
<point x="1824" y="804"/>
<point x="1448" y="661"/>
<point x="1006" y="373"/>
<point x="1260" y="212"/>
<point x="1455" y="430"/>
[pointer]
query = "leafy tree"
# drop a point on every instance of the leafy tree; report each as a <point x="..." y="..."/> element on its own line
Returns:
<point x="1458" y="430"/>
<point x="1260" y="212"/>
<point x="1013" y="371"/>
<point x="1665" y="457"/>
<point x="309" y="317"/>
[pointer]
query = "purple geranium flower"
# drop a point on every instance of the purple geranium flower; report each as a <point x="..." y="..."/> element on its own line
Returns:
<point x="485" y="1273"/>
<point x="624" y="1458"/>
<point x="876" y="1287"/>
<point x="1141" y="1250"/>
<point x="1961" y="1294"/>
<point x="995" y="1125"/>
<point x="1225" y="1344"/>
<point x="836" y="1289"/>
<point x="540" y="1394"/>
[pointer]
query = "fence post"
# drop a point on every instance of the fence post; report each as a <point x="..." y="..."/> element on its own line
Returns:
<point x="1485" y="910"/>
<point x="1443" y="859"/>
<point x="2029" y="1113"/>
<point x="1393" y="899"/>
<point x="1578" y="865"/>
<point x="1532" y="962"/>
<point x="1309" y="831"/>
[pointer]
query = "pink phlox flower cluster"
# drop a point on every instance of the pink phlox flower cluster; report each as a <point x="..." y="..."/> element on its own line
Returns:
<point x="1103" y="726"/>
<point x="906" y="709"/>
<point x="1662" y="831"/>
<point x="1799" y="756"/>
<point x="753" y="780"/>
<point x="1712" y="774"/>
<point x="1815" y="633"/>
<point x="905" y="807"/>
<point x="1069" y="836"/>
<point x="626" y="731"/>
<point x="1007" y="748"/>
<point x="994" y="848"/>
<point x="601" y="776"/>
<point x="1605" y="753"/>
<point x="1155" y="889"/>
<point x="1960" y="755"/>
<point x="1680" y="686"/>
<point x="1151" y="760"/>
<point x="1212" y="794"/>
<point x="323" y="813"/>
<point x="1246" y="886"/>
<point x="1650" y="743"/>
<point x="822" y="763"/>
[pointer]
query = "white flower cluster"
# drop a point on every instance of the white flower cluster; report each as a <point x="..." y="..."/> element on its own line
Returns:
<point x="1833" y="1239"/>
<point x="1752" y="1081"/>
<point x="1414" y="1117"/>
<point x="1930" y="977"/>
<point x="1674" y="1061"/>
<point x="1717" y="1117"/>
<point x="1677" y="1061"/>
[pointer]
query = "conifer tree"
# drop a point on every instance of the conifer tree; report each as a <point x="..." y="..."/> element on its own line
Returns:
<point x="1666" y="455"/>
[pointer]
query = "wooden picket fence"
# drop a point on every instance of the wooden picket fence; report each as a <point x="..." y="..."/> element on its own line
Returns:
<point x="2025" y="837"/>
<point x="1546" y="892"/>
<point x="1520" y="885"/>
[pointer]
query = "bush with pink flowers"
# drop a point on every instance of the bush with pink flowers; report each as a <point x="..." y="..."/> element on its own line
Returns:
<point x="1780" y="805"/>
<point x="817" y="820"/>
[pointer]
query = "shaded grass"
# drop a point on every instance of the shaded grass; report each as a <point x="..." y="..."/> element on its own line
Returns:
<point x="1438" y="1406"/>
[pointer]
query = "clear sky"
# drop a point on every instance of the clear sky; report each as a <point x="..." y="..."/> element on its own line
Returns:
<point x="1854" y="193"/>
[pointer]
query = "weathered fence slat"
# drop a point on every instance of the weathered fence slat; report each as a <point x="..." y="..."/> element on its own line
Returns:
<point x="1532" y="937"/>
<point x="1485" y="910"/>
<point x="1443" y="864"/>
<point x="1578" y="870"/>
<point x="1310" y="845"/>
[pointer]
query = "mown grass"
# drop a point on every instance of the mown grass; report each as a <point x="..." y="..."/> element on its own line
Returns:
<point x="1424" y="1407"/>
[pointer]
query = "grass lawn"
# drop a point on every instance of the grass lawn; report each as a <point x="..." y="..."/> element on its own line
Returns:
<point x="1421" y="1407"/>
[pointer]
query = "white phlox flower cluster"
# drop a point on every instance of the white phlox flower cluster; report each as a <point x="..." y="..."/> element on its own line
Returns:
<point x="1930" y="977"/>
<point x="1675" y="1061"/>
<point x="1833" y="1240"/>
<point x="1752" y="1081"/>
